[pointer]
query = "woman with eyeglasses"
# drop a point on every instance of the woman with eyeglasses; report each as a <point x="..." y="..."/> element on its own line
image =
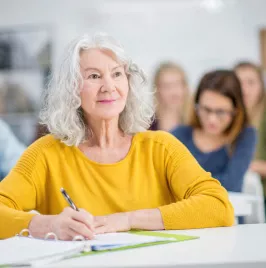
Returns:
<point x="219" y="134"/>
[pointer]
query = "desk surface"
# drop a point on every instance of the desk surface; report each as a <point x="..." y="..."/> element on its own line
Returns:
<point x="237" y="246"/>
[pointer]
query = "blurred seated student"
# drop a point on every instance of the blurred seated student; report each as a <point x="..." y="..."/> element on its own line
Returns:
<point x="219" y="134"/>
<point x="251" y="78"/>
<point x="172" y="93"/>
<point x="10" y="149"/>
<point x="123" y="176"/>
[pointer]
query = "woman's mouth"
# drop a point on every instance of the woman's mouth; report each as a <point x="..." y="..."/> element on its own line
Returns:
<point x="106" y="101"/>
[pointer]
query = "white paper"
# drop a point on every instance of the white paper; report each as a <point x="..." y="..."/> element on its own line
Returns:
<point x="124" y="238"/>
<point x="21" y="250"/>
<point x="29" y="251"/>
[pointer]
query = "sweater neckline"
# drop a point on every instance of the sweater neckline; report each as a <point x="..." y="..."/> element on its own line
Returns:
<point x="86" y="158"/>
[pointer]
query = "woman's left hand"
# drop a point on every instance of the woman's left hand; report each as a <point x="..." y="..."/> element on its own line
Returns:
<point x="118" y="222"/>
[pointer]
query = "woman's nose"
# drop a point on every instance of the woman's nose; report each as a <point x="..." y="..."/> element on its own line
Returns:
<point x="108" y="85"/>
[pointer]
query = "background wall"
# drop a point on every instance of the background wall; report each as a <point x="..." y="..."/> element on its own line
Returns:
<point x="198" y="34"/>
<point x="153" y="30"/>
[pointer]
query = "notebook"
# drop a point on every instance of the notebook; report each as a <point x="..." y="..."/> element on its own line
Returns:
<point x="173" y="239"/>
<point x="19" y="250"/>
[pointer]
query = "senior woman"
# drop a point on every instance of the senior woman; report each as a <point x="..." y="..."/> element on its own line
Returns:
<point x="124" y="177"/>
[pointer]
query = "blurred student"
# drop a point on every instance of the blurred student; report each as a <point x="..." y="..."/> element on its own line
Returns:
<point x="172" y="93"/>
<point x="251" y="79"/>
<point x="10" y="149"/>
<point x="219" y="135"/>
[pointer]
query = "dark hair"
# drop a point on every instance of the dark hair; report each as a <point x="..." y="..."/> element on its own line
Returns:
<point x="226" y="83"/>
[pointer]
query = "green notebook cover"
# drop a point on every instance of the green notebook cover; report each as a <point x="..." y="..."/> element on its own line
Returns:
<point x="177" y="237"/>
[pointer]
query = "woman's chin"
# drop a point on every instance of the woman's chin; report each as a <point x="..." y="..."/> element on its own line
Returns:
<point x="108" y="116"/>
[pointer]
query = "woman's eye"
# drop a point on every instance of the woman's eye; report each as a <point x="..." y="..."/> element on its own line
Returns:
<point x="221" y="112"/>
<point x="94" y="76"/>
<point x="117" y="74"/>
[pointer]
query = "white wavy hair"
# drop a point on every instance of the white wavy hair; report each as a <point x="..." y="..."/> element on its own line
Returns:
<point x="61" y="111"/>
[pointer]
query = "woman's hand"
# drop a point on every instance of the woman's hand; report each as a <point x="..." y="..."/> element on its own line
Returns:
<point x="146" y="219"/>
<point x="259" y="166"/>
<point x="65" y="225"/>
<point x="118" y="222"/>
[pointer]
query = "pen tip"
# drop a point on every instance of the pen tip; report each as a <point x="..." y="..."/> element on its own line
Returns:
<point x="62" y="189"/>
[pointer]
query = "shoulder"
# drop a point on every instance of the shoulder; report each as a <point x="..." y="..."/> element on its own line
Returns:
<point x="181" y="131"/>
<point x="45" y="142"/>
<point x="34" y="154"/>
<point x="160" y="138"/>
<point x="154" y="136"/>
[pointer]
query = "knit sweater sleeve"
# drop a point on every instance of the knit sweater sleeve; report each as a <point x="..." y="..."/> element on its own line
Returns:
<point x="201" y="201"/>
<point x="21" y="191"/>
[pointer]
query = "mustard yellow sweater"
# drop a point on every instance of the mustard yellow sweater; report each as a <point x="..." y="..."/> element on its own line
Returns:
<point x="158" y="172"/>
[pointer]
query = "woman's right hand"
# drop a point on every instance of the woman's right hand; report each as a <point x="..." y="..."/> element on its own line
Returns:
<point x="66" y="225"/>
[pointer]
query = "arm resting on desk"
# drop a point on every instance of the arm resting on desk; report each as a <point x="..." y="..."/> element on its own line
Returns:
<point x="201" y="201"/>
<point x="19" y="193"/>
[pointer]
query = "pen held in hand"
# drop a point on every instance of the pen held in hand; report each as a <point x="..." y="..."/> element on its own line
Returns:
<point x="68" y="199"/>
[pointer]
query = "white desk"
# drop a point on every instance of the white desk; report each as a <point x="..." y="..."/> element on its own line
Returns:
<point x="238" y="246"/>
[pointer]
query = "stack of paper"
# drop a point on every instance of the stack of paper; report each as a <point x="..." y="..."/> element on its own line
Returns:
<point x="30" y="251"/>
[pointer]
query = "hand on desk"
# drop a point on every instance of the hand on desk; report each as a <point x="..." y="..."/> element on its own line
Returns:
<point x="65" y="225"/>
<point x="146" y="219"/>
<point x="71" y="223"/>
<point x="117" y="222"/>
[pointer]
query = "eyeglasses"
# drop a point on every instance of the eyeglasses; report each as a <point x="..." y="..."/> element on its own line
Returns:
<point x="221" y="114"/>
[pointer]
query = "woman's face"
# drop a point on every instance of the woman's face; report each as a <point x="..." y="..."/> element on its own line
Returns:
<point x="215" y="112"/>
<point x="251" y="86"/>
<point x="105" y="84"/>
<point x="171" y="89"/>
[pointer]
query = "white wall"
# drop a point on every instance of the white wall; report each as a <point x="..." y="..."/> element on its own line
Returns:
<point x="152" y="30"/>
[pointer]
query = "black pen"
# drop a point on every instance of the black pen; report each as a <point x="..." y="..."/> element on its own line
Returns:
<point x="68" y="199"/>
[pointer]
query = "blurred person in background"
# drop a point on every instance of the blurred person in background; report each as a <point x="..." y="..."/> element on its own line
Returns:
<point x="172" y="94"/>
<point x="14" y="99"/>
<point x="251" y="78"/>
<point x="10" y="149"/>
<point x="124" y="177"/>
<point x="219" y="134"/>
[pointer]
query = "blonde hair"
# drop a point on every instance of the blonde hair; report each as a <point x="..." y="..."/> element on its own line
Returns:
<point x="62" y="112"/>
<point x="171" y="66"/>
<point x="256" y="114"/>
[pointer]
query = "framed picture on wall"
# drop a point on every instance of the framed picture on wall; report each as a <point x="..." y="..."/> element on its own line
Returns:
<point x="25" y="65"/>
